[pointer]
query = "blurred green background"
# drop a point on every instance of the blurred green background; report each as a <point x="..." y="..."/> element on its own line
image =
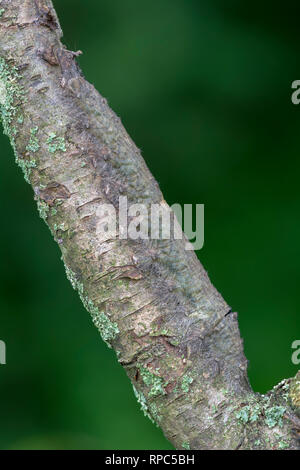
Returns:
<point x="204" y="90"/>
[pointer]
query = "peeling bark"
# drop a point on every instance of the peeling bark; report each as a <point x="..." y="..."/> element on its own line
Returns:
<point x="151" y="300"/>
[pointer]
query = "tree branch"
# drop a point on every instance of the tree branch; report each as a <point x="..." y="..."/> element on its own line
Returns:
<point x="151" y="300"/>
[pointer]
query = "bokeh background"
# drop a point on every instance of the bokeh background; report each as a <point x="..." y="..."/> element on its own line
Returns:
<point x="204" y="89"/>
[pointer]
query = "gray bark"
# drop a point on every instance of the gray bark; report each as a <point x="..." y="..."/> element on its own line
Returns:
<point x="151" y="300"/>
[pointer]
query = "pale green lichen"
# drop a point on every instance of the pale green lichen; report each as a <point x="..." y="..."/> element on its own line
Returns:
<point x="153" y="381"/>
<point x="185" y="445"/>
<point x="186" y="381"/>
<point x="43" y="209"/>
<point x="53" y="211"/>
<point x="108" y="329"/>
<point x="273" y="416"/>
<point x="294" y="393"/>
<point x="249" y="413"/>
<point x="33" y="144"/>
<point x="2" y="10"/>
<point x="286" y="388"/>
<point x="244" y="414"/>
<point x="73" y="280"/>
<point x="174" y="341"/>
<point x="142" y="401"/>
<point x="255" y="413"/>
<point x="11" y="94"/>
<point x="56" y="143"/>
<point x="283" y="445"/>
<point x="57" y="227"/>
<point x="156" y="331"/>
<point x="26" y="166"/>
<point x="155" y="412"/>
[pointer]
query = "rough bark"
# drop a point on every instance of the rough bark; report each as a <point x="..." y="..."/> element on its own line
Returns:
<point x="152" y="301"/>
